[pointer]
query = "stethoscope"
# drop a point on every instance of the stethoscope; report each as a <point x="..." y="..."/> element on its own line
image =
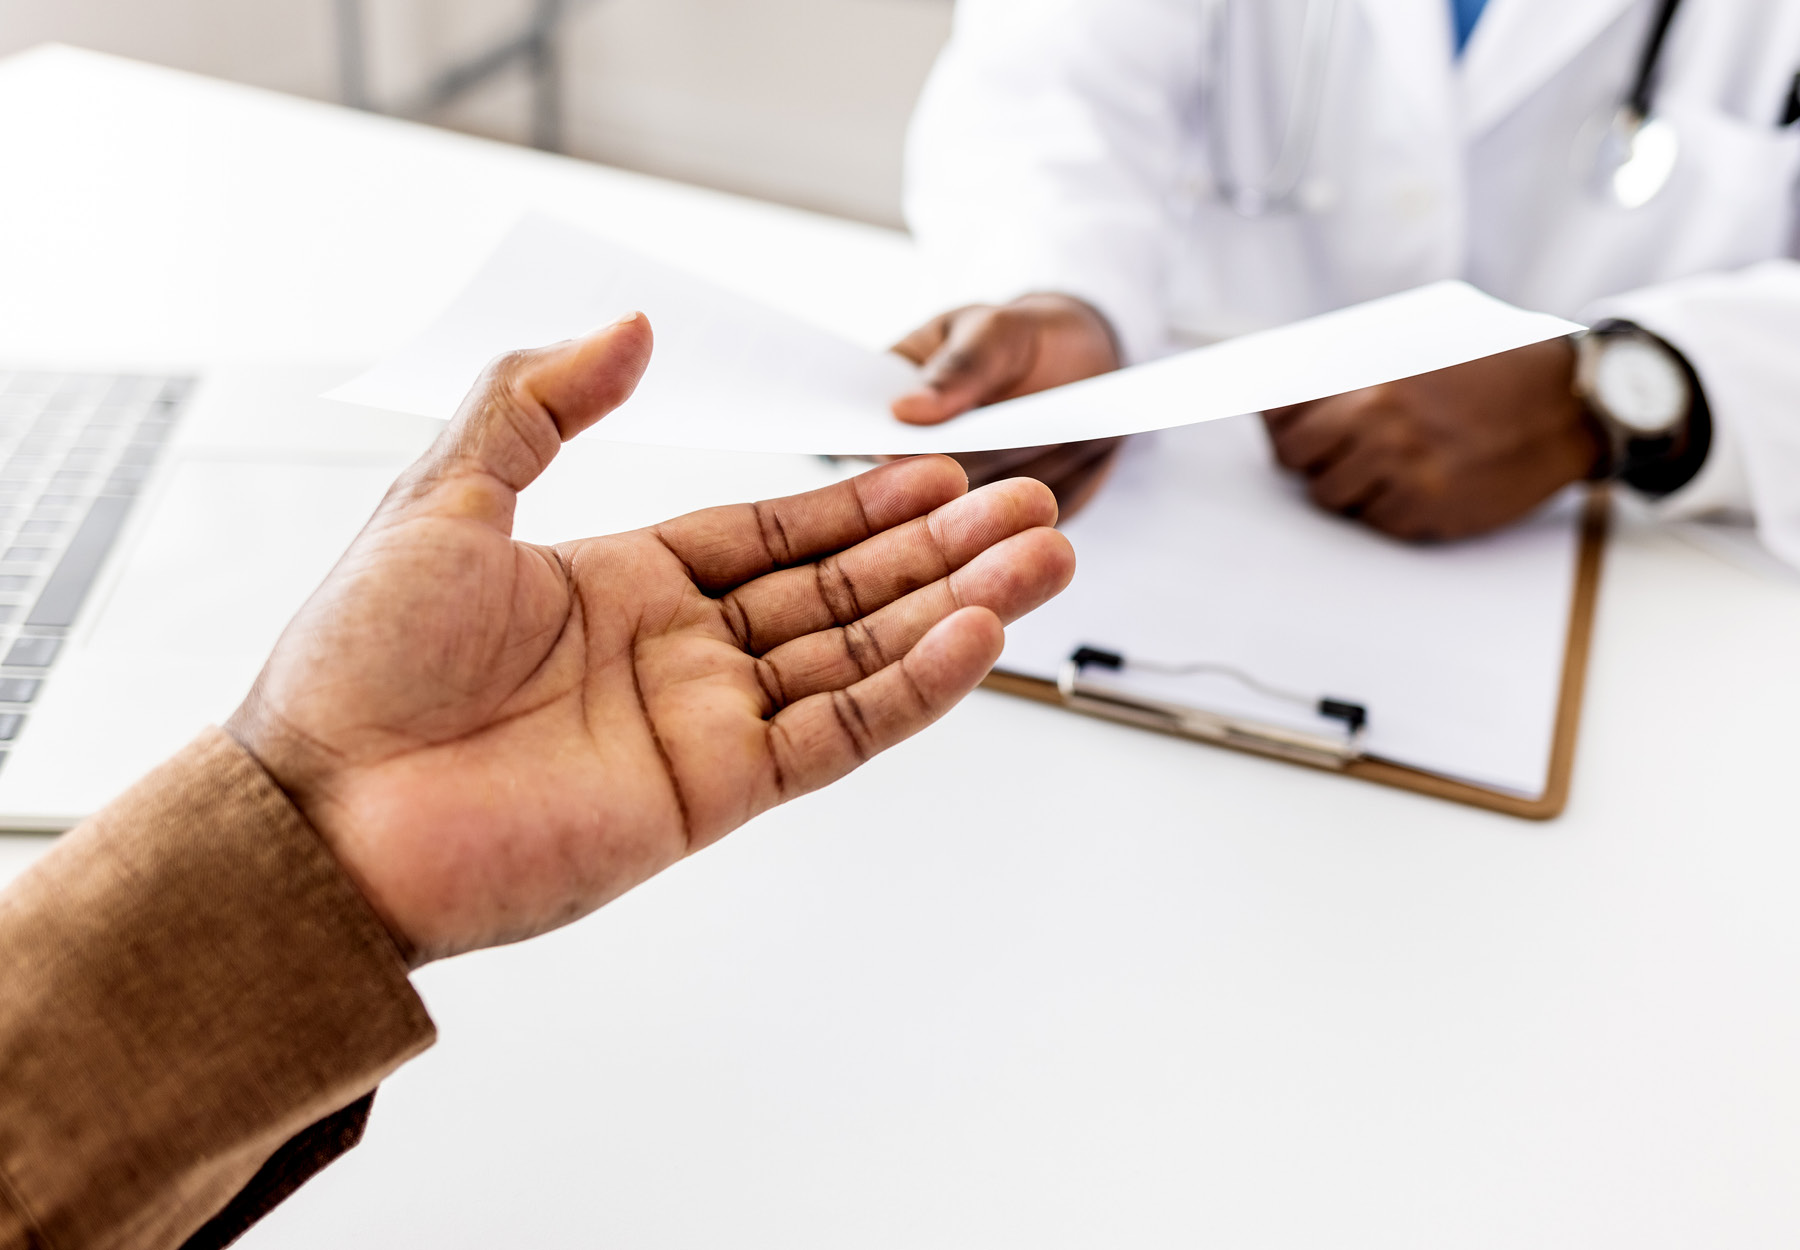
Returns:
<point x="1630" y="156"/>
<point x="1637" y="150"/>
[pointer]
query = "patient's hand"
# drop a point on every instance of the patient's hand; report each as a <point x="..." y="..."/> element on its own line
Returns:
<point x="984" y="354"/>
<point x="497" y="738"/>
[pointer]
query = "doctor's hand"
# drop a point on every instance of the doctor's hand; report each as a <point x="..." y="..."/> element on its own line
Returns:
<point x="986" y="353"/>
<point x="496" y="738"/>
<point x="1448" y="454"/>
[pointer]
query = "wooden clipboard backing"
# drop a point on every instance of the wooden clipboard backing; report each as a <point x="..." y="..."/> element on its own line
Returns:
<point x="1547" y="806"/>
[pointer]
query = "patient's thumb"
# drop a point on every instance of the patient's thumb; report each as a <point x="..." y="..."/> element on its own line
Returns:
<point x="528" y="403"/>
<point x="580" y="381"/>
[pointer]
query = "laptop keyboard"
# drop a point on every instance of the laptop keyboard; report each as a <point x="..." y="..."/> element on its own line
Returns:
<point x="75" y="448"/>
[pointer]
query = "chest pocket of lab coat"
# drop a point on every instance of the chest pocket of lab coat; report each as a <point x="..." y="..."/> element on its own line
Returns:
<point x="1730" y="202"/>
<point x="1732" y="198"/>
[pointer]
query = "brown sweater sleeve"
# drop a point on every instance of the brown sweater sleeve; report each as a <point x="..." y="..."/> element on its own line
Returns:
<point x="189" y="986"/>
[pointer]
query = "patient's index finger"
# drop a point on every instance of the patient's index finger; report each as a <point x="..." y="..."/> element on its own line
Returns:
<point x="847" y="586"/>
<point x="1009" y="579"/>
<point x="819" y="739"/>
<point x="726" y="547"/>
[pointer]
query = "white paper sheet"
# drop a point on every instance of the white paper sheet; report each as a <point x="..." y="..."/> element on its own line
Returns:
<point x="1197" y="550"/>
<point x="732" y="375"/>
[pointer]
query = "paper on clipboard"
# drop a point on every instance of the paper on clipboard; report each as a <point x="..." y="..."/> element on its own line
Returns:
<point x="1198" y="549"/>
<point x="733" y="375"/>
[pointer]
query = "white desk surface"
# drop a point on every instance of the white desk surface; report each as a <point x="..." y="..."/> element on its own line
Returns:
<point x="1030" y="980"/>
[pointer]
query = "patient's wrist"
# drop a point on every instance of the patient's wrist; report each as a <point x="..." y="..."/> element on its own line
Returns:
<point x="302" y="770"/>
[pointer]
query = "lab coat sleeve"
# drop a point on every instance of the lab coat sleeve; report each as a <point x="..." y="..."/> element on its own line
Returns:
<point x="1741" y="333"/>
<point x="1046" y="152"/>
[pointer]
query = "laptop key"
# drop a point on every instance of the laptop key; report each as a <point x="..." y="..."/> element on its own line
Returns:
<point x="61" y="437"/>
<point x="32" y="653"/>
<point x="75" y="572"/>
<point x="18" y="689"/>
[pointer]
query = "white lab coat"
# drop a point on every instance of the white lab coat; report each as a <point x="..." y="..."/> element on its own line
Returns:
<point x="1060" y="146"/>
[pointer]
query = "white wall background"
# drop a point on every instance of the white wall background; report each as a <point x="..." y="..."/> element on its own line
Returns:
<point x="804" y="101"/>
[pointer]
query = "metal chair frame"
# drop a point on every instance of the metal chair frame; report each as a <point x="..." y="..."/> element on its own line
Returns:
<point x="536" y="46"/>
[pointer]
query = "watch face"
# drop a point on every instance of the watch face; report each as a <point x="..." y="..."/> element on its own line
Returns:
<point x="1641" y="387"/>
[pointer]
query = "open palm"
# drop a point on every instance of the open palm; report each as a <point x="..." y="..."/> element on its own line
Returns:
<point x="497" y="738"/>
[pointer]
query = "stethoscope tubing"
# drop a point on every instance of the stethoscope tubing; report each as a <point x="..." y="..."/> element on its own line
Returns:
<point x="1643" y="87"/>
<point x="1280" y="191"/>
<point x="1283" y="190"/>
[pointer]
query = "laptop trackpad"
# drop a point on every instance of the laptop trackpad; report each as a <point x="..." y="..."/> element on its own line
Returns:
<point x="230" y="551"/>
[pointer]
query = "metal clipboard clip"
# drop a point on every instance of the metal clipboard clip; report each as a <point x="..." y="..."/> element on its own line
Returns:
<point x="1295" y="745"/>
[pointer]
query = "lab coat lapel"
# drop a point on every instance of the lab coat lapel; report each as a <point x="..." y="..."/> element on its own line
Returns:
<point x="1415" y="41"/>
<point x="1518" y="45"/>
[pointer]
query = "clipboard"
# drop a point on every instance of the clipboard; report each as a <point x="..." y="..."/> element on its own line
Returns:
<point x="1592" y="533"/>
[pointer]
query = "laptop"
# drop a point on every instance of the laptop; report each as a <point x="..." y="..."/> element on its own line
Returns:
<point x="158" y="531"/>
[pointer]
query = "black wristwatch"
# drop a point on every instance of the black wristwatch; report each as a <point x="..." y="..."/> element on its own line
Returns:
<point x="1646" y="401"/>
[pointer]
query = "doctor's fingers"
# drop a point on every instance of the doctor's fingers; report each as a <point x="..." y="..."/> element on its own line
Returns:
<point x="1279" y="418"/>
<point x="984" y="467"/>
<point x="921" y="344"/>
<point x="986" y="354"/>
<point x="1401" y="510"/>
<point x="1354" y="480"/>
<point x="1050" y="464"/>
<point x="1318" y="434"/>
<point x="1072" y="471"/>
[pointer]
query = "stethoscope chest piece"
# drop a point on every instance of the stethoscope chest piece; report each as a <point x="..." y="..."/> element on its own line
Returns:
<point x="1629" y="158"/>
<point x="1634" y="151"/>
